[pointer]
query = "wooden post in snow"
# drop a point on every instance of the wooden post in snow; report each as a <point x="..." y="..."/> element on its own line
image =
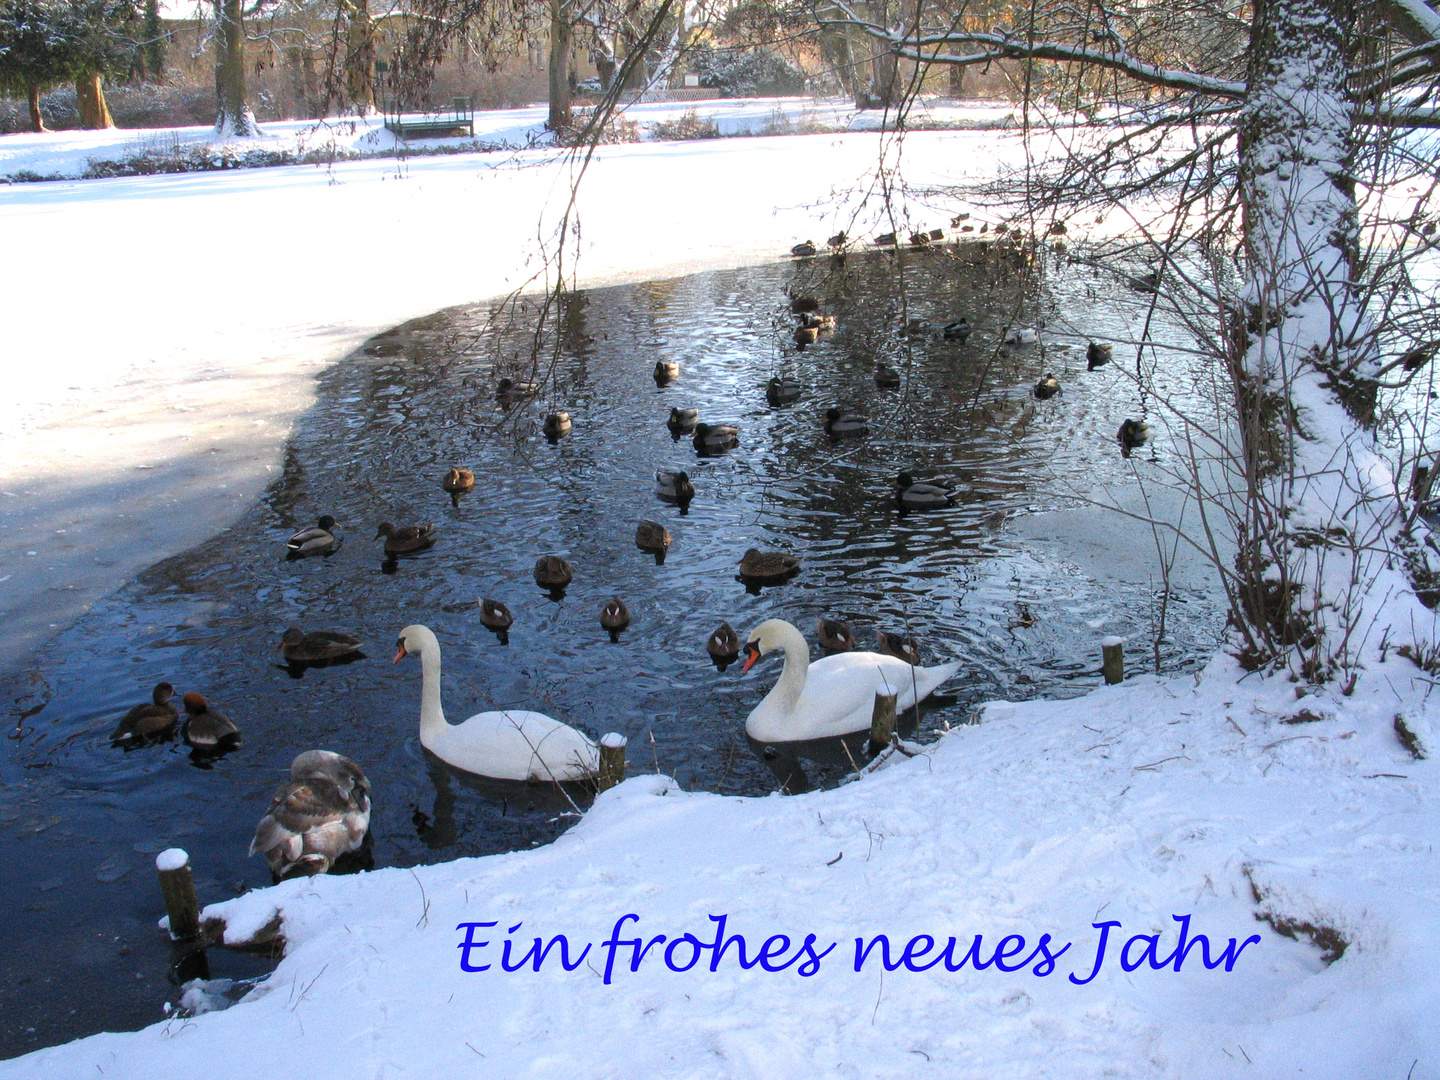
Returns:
<point x="612" y="760"/>
<point x="882" y="722"/>
<point x="1112" y="651"/>
<point x="177" y="885"/>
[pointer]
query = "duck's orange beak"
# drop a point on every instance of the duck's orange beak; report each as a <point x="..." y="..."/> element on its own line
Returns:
<point x="752" y="653"/>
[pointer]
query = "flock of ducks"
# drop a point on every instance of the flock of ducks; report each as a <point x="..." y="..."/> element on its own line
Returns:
<point x="322" y="812"/>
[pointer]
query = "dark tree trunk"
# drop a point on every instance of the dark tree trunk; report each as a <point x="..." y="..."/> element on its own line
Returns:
<point x="360" y="57"/>
<point x="560" y="118"/>
<point x="154" y="49"/>
<point x="37" y="119"/>
<point x="234" y="117"/>
<point x="90" y="102"/>
<point x="957" y="80"/>
<point x="884" y="79"/>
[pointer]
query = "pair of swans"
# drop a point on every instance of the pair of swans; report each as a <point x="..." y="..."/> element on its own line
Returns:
<point x="833" y="696"/>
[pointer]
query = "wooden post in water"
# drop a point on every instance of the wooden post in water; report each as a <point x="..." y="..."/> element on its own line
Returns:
<point x="1112" y="650"/>
<point x="177" y="885"/>
<point x="612" y="760"/>
<point x="882" y="722"/>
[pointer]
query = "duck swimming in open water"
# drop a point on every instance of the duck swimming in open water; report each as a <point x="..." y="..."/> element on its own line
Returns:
<point x="149" y="721"/>
<point x="318" y="539"/>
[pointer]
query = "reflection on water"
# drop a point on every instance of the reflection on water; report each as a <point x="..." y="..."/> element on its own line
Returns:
<point x="82" y="954"/>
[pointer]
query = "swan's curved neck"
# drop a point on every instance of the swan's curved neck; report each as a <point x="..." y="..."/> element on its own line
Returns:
<point x="787" y="691"/>
<point x="432" y="716"/>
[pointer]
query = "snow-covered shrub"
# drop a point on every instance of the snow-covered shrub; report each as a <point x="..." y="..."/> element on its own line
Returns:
<point x="746" y="73"/>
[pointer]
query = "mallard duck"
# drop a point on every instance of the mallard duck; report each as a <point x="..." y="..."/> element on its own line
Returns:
<point x="1023" y="336"/>
<point x="206" y="728"/>
<point x="835" y="636"/>
<point x="920" y="238"/>
<point x="724" y="643"/>
<point x="319" y="814"/>
<point x="674" y="485"/>
<point x="814" y="321"/>
<point x="886" y="376"/>
<point x="509" y="744"/>
<point x="839" y="423"/>
<point x="553" y="572"/>
<point x="768" y="565"/>
<point x="838" y="240"/>
<point x="884" y="240"/>
<point x="666" y="371"/>
<point x="510" y="389"/>
<point x="922" y="496"/>
<point x="833" y="696"/>
<point x="1047" y="387"/>
<point x="1132" y="433"/>
<point x="316" y="646"/>
<point x="318" y="539"/>
<point x="652" y="536"/>
<point x="150" y="720"/>
<point x="782" y="390"/>
<point x="803" y="304"/>
<point x="458" y="481"/>
<point x="898" y="645"/>
<point x="806" y="335"/>
<point x="916" y="327"/>
<point x="1147" y="283"/>
<point x="1098" y="355"/>
<point x="494" y="615"/>
<point x="803" y="250"/>
<point x="682" y="420"/>
<point x="956" y="331"/>
<point x="405" y="539"/>
<point x="715" y="438"/>
<point x="614" y="617"/>
<point x="557" y="424"/>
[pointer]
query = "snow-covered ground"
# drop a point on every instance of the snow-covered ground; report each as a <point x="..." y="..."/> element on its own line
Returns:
<point x="74" y="153"/>
<point x="162" y="334"/>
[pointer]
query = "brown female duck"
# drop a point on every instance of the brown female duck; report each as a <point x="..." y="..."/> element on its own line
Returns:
<point x="318" y="646"/>
<point x="407" y="538"/>
<point x="150" y="720"/>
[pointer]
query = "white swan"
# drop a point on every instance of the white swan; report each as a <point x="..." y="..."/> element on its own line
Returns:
<point x="833" y="696"/>
<point x="508" y="745"/>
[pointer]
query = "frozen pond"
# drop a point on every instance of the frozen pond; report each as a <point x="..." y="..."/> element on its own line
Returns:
<point x="1020" y="595"/>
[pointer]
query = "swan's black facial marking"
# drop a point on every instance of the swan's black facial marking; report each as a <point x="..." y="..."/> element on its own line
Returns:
<point x="752" y="653"/>
<point x="400" y="652"/>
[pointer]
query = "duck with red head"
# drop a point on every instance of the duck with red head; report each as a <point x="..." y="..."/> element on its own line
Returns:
<point x="207" y="728"/>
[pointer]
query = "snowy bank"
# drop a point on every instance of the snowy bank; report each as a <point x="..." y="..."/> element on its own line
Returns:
<point x="1224" y="805"/>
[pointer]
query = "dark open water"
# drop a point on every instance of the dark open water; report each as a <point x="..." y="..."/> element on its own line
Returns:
<point x="80" y="821"/>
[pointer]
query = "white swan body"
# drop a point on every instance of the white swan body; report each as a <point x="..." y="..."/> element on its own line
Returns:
<point x="511" y="744"/>
<point x="833" y="696"/>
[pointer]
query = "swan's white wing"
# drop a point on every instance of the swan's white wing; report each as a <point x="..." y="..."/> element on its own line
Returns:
<point x="518" y="745"/>
<point x="839" y="696"/>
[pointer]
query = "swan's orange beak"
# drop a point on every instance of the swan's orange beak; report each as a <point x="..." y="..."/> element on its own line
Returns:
<point x="400" y="652"/>
<point x="752" y="653"/>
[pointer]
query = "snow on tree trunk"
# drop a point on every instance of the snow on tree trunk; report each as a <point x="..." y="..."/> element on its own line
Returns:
<point x="90" y="103"/>
<point x="560" y="119"/>
<point x="1315" y="549"/>
<point x="234" y="119"/>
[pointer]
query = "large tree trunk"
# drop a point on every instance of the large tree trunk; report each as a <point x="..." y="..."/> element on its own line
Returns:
<point x="234" y="118"/>
<point x="37" y="119"/>
<point x="360" y="57"/>
<point x="884" y="69"/>
<point x="1314" y="546"/>
<point x="90" y="102"/>
<point x="560" y="118"/>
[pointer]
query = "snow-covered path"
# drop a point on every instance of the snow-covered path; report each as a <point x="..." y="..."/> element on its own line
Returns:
<point x="162" y="333"/>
